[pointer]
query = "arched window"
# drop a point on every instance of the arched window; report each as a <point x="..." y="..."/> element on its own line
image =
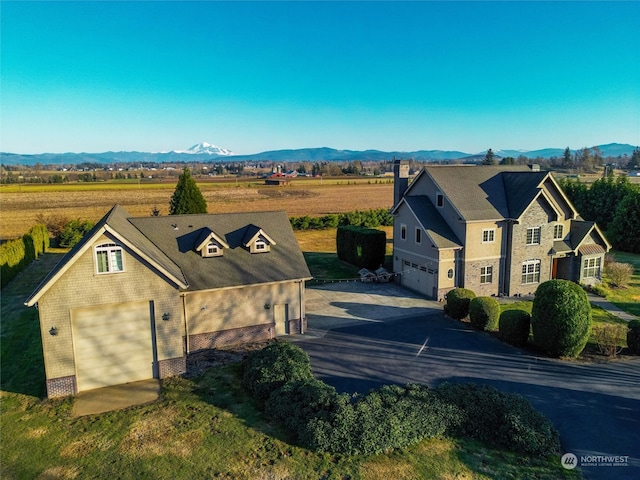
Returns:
<point x="109" y="258"/>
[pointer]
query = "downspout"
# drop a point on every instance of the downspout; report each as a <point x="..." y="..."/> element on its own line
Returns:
<point x="301" y="308"/>
<point x="186" y="323"/>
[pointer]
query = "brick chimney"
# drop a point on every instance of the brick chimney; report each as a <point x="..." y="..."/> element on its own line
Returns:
<point x="400" y="179"/>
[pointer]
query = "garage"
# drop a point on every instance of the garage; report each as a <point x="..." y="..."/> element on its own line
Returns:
<point x="112" y="344"/>
<point x="418" y="278"/>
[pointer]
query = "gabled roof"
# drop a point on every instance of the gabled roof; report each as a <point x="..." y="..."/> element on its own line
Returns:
<point x="206" y="236"/>
<point x="237" y="267"/>
<point x="431" y="221"/>
<point x="167" y="245"/>
<point x="116" y="225"/>
<point x="581" y="230"/>
<point x="253" y="233"/>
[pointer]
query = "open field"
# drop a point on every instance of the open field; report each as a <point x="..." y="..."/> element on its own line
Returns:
<point x="19" y="206"/>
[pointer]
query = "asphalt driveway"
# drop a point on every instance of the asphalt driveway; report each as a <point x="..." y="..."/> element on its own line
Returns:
<point x="361" y="336"/>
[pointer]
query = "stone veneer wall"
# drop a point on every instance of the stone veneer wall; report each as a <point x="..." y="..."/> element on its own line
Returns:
<point x="61" y="387"/>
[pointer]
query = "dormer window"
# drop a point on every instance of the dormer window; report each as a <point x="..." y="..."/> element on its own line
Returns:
<point x="209" y="244"/>
<point x="257" y="240"/>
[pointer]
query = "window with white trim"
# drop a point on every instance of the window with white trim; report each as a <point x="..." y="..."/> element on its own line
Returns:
<point x="486" y="274"/>
<point x="591" y="267"/>
<point x="488" y="235"/>
<point x="558" y="232"/>
<point x="533" y="236"/>
<point x="212" y="249"/>
<point x="109" y="258"/>
<point x="260" y="245"/>
<point x="531" y="271"/>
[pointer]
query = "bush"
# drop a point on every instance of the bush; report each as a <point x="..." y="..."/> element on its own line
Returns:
<point x="73" y="232"/>
<point x="268" y="369"/>
<point x="360" y="246"/>
<point x="514" y="326"/>
<point x="458" y="301"/>
<point x="504" y="419"/>
<point x="608" y="338"/>
<point x="484" y="313"/>
<point x="633" y="337"/>
<point x="295" y="403"/>
<point x="16" y="255"/>
<point x="618" y="274"/>
<point x="561" y="318"/>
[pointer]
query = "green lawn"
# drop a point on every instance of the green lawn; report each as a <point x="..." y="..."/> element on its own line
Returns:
<point x="204" y="427"/>
<point x="628" y="298"/>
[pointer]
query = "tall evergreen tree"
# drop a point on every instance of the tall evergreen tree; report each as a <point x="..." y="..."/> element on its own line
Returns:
<point x="567" y="159"/>
<point x="187" y="197"/>
<point x="625" y="226"/>
<point x="489" y="158"/>
<point x="635" y="159"/>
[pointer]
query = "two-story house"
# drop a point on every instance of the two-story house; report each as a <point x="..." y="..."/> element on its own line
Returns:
<point x="137" y="295"/>
<point x="492" y="229"/>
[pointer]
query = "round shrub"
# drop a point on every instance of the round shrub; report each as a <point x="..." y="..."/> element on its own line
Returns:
<point x="633" y="337"/>
<point x="276" y="364"/>
<point x="458" y="302"/>
<point x="561" y="318"/>
<point x="514" y="326"/>
<point x="484" y="313"/>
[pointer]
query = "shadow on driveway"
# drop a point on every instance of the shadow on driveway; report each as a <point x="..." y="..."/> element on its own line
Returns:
<point x="596" y="407"/>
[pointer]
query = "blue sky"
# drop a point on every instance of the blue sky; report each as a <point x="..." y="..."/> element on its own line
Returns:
<point x="157" y="76"/>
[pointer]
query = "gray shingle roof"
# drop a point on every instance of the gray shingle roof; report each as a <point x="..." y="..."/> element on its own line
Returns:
<point x="487" y="192"/>
<point x="176" y="236"/>
<point x="435" y="226"/>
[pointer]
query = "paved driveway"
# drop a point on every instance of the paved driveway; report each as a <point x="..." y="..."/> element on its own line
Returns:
<point x="363" y="336"/>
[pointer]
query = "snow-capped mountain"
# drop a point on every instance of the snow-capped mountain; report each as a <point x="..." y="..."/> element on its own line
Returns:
<point x="205" y="148"/>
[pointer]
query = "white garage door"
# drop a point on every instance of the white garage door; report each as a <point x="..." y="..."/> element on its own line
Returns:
<point x="418" y="278"/>
<point x="112" y="344"/>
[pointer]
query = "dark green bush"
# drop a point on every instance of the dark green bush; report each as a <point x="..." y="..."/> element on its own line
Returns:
<point x="514" y="326"/>
<point x="504" y="419"/>
<point x="268" y="369"/>
<point x="389" y="417"/>
<point x="295" y="403"/>
<point x="360" y="246"/>
<point x="16" y="255"/>
<point x="458" y="301"/>
<point x="368" y="218"/>
<point x="73" y="232"/>
<point x="633" y="336"/>
<point x="561" y="318"/>
<point x="484" y="313"/>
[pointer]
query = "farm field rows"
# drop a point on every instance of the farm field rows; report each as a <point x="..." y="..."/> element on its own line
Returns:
<point x="19" y="208"/>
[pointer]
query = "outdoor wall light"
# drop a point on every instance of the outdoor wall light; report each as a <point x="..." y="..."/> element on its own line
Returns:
<point x="267" y="306"/>
<point x="53" y="331"/>
<point x="166" y="316"/>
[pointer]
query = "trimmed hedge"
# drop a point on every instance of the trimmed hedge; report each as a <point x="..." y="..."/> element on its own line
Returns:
<point x="633" y="337"/>
<point x="514" y="326"/>
<point x="271" y="367"/>
<point x="561" y="318"/>
<point x="484" y="313"/>
<point x="360" y="246"/>
<point x="458" y="300"/>
<point x="16" y="255"/>
<point x="375" y="217"/>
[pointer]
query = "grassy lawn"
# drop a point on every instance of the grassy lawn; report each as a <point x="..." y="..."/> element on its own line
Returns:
<point x="204" y="427"/>
<point x="628" y="299"/>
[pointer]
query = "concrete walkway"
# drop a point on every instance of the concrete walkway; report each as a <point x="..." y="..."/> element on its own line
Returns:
<point x="117" y="397"/>
<point x="610" y="307"/>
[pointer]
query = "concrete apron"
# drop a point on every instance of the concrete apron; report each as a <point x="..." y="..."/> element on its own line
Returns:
<point x="116" y="397"/>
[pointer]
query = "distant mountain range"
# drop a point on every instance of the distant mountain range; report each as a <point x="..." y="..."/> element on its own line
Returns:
<point x="206" y="152"/>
